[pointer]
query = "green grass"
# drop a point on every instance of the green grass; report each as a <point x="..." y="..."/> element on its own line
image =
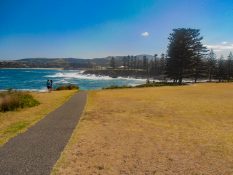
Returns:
<point x="153" y="84"/>
<point x="67" y="87"/>
<point x="13" y="100"/>
<point x="12" y="129"/>
<point x="159" y="84"/>
<point x="18" y="121"/>
<point x="15" y="127"/>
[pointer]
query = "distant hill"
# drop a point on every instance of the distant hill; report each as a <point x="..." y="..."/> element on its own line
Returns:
<point x="66" y="63"/>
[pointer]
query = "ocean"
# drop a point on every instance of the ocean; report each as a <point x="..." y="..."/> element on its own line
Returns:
<point x="35" y="79"/>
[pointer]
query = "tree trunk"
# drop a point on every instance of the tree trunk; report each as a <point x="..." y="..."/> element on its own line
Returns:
<point x="210" y="77"/>
<point x="180" y="80"/>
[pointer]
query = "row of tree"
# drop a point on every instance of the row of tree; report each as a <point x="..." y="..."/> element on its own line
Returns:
<point x="189" y="58"/>
<point x="186" y="57"/>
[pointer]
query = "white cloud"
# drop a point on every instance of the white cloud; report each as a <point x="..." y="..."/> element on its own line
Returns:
<point x="224" y="42"/>
<point x="224" y="48"/>
<point x="220" y="47"/>
<point x="145" y="34"/>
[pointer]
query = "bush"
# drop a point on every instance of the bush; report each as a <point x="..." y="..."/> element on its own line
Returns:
<point x="12" y="100"/>
<point x="158" y="84"/>
<point x="67" y="87"/>
<point x="153" y="84"/>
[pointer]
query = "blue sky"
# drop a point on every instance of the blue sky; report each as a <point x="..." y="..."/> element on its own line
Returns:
<point x="99" y="28"/>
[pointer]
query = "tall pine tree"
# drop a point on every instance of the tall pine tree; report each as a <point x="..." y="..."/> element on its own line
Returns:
<point x="220" y="70"/>
<point x="162" y="64"/>
<point x="184" y="49"/>
<point x="211" y="64"/>
<point x="230" y="67"/>
<point x="112" y="63"/>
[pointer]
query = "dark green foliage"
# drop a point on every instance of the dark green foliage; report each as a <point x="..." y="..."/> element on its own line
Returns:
<point x="198" y="69"/>
<point x="145" y="63"/>
<point x="112" y="63"/>
<point x="13" y="128"/>
<point x="185" y="51"/>
<point x="211" y="64"/>
<point x="66" y="63"/>
<point x="12" y="100"/>
<point x="124" y="60"/>
<point x="159" y="84"/>
<point x="153" y="84"/>
<point x="220" y="70"/>
<point x="67" y="87"/>
<point x="128" y="61"/>
<point x="162" y="65"/>
<point x="229" y="67"/>
<point x="155" y="66"/>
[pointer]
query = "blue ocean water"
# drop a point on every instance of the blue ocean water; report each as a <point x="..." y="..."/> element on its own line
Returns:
<point x="35" y="79"/>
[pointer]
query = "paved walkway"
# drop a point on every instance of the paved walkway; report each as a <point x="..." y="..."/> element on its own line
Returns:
<point x="36" y="151"/>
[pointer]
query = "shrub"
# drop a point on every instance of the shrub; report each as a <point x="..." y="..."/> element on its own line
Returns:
<point x="67" y="87"/>
<point x="12" y="100"/>
<point x="158" y="84"/>
<point x="153" y="84"/>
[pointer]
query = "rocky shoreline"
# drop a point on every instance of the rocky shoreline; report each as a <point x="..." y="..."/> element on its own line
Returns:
<point x="114" y="73"/>
<point x="117" y="73"/>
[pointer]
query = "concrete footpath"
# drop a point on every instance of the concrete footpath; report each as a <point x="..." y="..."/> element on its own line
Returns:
<point x="36" y="151"/>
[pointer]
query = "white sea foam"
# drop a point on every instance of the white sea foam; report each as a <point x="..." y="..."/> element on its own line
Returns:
<point x="133" y="84"/>
<point x="80" y="75"/>
<point x="131" y="78"/>
<point x="35" y="90"/>
<point x="82" y="71"/>
<point x="63" y="81"/>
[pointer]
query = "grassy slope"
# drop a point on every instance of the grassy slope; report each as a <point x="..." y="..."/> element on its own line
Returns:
<point x="12" y="123"/>
<point x="167" y="130"/>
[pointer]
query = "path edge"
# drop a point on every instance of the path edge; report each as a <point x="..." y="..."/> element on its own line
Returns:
<point x="38" y="120"/>
<point x="61" y="158"/>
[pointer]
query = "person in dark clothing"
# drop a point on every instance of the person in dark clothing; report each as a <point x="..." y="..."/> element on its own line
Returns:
<point x="49" y="85"/>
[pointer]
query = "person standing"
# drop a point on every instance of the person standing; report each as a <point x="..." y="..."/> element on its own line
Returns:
<point x="49" y="85"/>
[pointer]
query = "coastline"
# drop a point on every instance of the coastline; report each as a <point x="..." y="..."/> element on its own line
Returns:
<point x="115" y="73"/>
<point x="29" y="80"/>
<point x="52" y="68"/>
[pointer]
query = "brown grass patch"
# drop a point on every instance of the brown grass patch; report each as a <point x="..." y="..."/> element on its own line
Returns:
<point x="13" y="100"/>
<point x="167" y="130"/>
<point x="14" y="122"/>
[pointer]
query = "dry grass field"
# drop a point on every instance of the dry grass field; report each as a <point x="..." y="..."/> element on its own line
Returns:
<point x="167" y="130"/>
<point x="12" y="123"/>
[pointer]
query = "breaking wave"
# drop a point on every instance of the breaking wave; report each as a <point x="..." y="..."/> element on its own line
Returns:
<point x="80" y="75"/>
